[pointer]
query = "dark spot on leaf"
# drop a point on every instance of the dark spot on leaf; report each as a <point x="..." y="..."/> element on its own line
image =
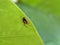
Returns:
<point x="24" y="20"/>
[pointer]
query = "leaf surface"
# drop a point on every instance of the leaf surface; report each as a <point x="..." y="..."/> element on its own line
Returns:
<point x="13" y="30"/>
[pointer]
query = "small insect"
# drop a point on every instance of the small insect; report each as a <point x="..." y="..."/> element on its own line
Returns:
<point x="25" y="21"/>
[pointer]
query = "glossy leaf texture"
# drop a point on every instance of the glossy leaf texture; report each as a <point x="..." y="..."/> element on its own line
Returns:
<point x="13" y="29"/>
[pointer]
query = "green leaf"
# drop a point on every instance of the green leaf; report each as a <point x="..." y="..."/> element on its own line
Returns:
<point x="13" y="29"/>
<point x="47" y="24"/>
